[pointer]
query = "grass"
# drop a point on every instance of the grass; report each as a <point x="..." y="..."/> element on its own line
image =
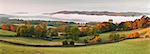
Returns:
<point x="25" y="40"/>
<point x="20" y="39"/>
<point x="105" y="36"/>
<point x="4" y="32"/>
<point x="135" y="46"/>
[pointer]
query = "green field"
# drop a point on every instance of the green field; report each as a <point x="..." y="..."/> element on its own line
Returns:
<point x="136" y="46"/>
<point x="20" y="39"/>
<point x="133" y="46"/>
<point x="25" y="40"/>
<point x="105" y="36"/>
<point x="4" y="32"/>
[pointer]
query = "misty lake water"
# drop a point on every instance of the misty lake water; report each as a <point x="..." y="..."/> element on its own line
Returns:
<point x="79" y="18"/>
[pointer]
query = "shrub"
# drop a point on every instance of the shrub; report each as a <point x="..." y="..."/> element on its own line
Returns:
<point x="137" y="35"/>
<point x="147" y="36"/>
<point x="85" y="41"/>
<point x="97" y="38"/>
<point x="130" y="35"/>
<point x="122" y="37"/>
<point x="65" y="43"/>
<point x="134" y="35"/>
<point x="71" y="42"/>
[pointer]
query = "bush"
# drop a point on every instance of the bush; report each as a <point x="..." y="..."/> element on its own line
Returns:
<point x="130" y="36"/>
<point x="122" y="37"/>
<point x="65" y="43"/>
<point x="85" y="41"/>
<point x="147" y="36"/>
<point x="97" y="38"/>
<point x="137" y="35"/>
<point x="134" y="35"/>
<point x="71" y="42"/>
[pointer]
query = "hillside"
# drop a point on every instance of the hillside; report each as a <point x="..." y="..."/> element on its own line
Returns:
<point x="102" y="13"/>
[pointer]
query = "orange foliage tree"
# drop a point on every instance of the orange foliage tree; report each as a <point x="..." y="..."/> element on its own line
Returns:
<point x="4" y="27"/>
<point x="97" y="38"/>
<point x="11" y="28"/>
<point x="134" y="35"/>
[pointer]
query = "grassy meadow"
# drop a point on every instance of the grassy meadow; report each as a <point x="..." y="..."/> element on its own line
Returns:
<point x="133" y="46"/>
<point x="4" y="32"/>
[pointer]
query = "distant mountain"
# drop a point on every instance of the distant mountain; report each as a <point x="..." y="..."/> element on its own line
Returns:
<point x="102" y="13"/>
<point x="5" y="16"/>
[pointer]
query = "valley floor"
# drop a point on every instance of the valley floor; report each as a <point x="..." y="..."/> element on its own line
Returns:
<point x="131" y="46"/>
<point x="135" y="46"/>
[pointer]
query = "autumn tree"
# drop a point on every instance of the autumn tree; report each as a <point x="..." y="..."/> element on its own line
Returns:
<point x="92" y="31"/>
<point x="105" y="27"/>
<point x="84" y="30"/>
<point x="41" y="30"/>
<point x="22" y="31"/>
<point x="128" y="25"/>
<point x="97" y="38"/>
<point x="12" y="28"/>
<point x="134" y="35"/>
<point x="63" y="28"/>
<point x="4" y="27"/>
<point x="52" y="32"/>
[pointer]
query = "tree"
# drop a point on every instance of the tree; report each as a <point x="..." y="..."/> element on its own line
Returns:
<point x="112" y="27"/>
<point x="41" y="30"/>
<point x="92" y="31"/>
<point x="142" y="21"/>
<point x="12" y="28"/>
<point x="97" y="38"/>
<point x="31" y="31"/>
<point x="4" y="27"/>
<point x="63" y="28"/>
<point x="105" y="27"/>
<point x="128" y="25"/>
<point x="22" y="31"/>
<point x="52" y="32"/>
<point x="84" y="31"/>
<point x="134" y="35"/>
<point x="74" y="33"/>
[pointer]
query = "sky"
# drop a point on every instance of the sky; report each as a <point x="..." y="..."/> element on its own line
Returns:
<point x="49" y="6"/>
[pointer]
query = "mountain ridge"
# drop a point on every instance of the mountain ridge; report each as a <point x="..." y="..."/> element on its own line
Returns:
<point x="101" y="13"/>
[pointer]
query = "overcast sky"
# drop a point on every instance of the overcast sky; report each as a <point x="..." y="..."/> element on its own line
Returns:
<point x="42" y="6"/>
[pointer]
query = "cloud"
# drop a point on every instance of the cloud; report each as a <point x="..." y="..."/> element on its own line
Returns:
<point x="38" y="6"/>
